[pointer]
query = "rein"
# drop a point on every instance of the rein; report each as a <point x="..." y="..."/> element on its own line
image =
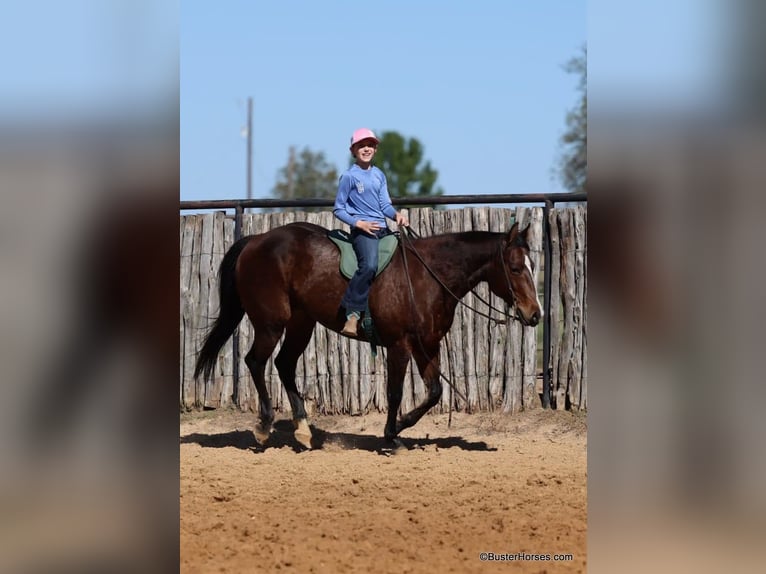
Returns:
<point x="491" y="307"/>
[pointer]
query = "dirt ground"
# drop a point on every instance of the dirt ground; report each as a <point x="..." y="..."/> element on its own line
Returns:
<point x="502" y="484"/>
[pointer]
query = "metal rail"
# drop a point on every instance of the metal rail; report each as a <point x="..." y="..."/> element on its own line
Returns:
<point x="435" y="200"/>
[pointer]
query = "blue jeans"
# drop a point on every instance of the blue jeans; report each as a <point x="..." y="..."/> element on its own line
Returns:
<point x="366" y="249"/>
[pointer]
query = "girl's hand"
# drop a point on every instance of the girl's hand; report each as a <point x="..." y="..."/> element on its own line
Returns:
<point x="401" y="220"/>
<point x="369" y="227"/>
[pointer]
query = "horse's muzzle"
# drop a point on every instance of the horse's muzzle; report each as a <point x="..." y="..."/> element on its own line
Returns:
<point x="530" y="321"/>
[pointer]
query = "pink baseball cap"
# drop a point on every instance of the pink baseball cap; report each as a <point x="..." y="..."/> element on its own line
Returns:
<point x="363" y="134"/>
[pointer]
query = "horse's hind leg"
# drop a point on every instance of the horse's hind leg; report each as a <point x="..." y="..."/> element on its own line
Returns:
<point x="428" y="365"/>
<point x="263" y="345"/>
<point x="299" y="331"/>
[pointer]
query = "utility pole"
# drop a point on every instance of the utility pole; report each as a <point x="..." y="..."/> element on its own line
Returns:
<point x="290" y="174"/>
<point x="238" y="234"/>
<point x="249" y="148"/>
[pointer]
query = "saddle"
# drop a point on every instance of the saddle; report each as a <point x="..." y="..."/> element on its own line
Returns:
<point x="348" y="263"/>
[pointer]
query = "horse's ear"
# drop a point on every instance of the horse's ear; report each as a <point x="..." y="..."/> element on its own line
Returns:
<point x="513" y="233"/>
<point x="516" y="236"/>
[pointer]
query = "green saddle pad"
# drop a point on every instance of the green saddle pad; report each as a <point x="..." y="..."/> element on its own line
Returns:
<point x="348" y="264"/>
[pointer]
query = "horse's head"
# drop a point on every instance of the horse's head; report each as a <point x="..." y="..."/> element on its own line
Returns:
<point x="511" y="277"/>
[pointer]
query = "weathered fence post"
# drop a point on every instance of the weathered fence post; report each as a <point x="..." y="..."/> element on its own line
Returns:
<point x="547" y="273"/>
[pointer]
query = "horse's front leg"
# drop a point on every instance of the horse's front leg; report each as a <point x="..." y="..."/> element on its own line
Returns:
<point x="398" y="358"/>
<point x="428" y="365"/>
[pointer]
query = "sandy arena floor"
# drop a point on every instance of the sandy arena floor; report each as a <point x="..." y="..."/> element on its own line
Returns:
<point x="491" y="483"/>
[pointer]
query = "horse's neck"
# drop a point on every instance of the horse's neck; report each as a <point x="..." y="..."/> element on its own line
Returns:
<point x="462" y="260"/>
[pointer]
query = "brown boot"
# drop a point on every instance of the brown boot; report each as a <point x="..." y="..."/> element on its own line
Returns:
<point x="350" y="328"/>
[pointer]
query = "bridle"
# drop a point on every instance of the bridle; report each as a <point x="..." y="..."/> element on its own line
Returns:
<point x="405" y="241"/>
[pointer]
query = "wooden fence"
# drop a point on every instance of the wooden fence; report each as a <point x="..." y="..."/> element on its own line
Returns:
<point x="569" y="309"/>
<point x="494" y="366"/>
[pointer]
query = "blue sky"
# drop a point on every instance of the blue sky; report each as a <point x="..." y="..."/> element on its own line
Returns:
<point x="87" y="60"/>
<point x="660" y="55"/>
<point x="481" y="84"/>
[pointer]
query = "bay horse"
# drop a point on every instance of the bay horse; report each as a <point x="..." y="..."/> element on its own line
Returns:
<point x="288" y="279"/>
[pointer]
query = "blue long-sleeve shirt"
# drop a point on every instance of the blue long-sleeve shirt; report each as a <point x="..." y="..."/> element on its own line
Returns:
<point x="363" y="196"/>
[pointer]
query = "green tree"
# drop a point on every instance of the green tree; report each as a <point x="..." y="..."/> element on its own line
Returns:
<point x="308" y="175"/>
<point x="573" y="159"/>
<point x="402" y="161"/>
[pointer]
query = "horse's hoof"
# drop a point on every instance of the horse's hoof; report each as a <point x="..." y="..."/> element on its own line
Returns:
<point x="262" y="433"/>
<point x="395" y="444"/>
<point x="398" y="446"/>
<point x="303" y="432"/>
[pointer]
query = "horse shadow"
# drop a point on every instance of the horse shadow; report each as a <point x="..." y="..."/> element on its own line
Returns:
<point x="282" y="436"/>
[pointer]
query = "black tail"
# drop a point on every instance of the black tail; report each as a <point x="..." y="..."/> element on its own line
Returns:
<point x="230" y="315"/>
